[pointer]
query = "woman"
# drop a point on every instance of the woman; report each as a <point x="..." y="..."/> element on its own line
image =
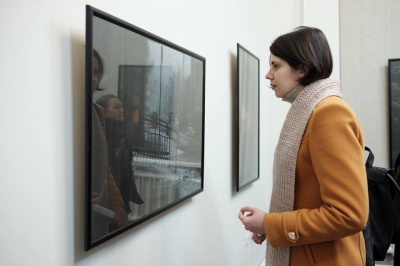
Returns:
<point x="319" y="201"/>
<point x="105" y="192"/>
<point x="119" y="149"/>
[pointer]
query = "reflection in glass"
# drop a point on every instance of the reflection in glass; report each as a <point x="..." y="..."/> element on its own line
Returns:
<point x="394" y="103"/>
<point x="147" y="127"/>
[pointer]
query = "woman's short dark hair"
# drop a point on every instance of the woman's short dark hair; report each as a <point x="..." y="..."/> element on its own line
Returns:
<point x="103" y="100"/>
<point x="308" y="49"/>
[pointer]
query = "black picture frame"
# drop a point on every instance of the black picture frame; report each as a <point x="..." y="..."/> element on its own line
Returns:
<point x="394" y="108"/>
<point x="248" y="117"/>
<point x="145" y="100"/>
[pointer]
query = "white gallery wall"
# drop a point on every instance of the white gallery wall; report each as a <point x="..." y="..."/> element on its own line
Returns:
<point x="325" y="16"/>
<point x="370" y="35"/>
<point x="42" y="134"/>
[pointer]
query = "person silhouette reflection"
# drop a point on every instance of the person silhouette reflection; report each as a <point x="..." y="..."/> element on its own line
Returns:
<point x="119" y="149"/>
<point x="105" y="193"/>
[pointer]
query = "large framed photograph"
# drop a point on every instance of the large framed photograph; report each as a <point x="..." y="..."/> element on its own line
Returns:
<point x="248" y="117"/>
<point x="394" y="108"/>
<point x="144" y="126"/>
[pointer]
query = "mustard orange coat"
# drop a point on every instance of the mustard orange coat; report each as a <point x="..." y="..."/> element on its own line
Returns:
<point x="331" y="195"/>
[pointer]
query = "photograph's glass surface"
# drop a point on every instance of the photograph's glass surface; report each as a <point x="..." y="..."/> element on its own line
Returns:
<point x="394" y="109"/>
<point x="145" y="134"/>
<point x="248" y="66"/>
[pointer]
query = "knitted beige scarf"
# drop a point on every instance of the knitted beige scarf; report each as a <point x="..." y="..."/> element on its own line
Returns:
<point x="303" y="100"/>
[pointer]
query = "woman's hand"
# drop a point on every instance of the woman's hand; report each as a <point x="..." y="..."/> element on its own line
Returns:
<point x="253" y="220"/>
<point x="258" y="239"/>
<point x="95" y="197"/>
<point x="121" y="217"/>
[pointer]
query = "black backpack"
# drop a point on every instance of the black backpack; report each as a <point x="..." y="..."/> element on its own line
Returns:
<point x="383" y="227"/>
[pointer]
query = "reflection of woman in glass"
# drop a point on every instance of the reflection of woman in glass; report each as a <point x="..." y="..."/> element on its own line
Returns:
<point x="105" y="193"/>
<point x="119" y="148"/>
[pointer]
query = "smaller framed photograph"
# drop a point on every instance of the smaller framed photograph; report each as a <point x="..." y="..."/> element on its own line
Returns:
<point x="394" y="109"/>
<point x="248" y="117"/>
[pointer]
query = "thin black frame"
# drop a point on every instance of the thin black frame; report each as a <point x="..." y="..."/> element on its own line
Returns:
<point x="251" y="145"/>
<point x="92" y="12"/>
<point x="394" y="108"/>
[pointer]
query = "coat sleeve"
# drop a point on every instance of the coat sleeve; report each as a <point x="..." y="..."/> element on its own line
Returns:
<point x="336" y="147"/>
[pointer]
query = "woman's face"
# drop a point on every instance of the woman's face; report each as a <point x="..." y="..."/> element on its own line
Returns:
<point x="283" y="78"/>
<point x="115" y="109"/>
<point x="95" y="74"/>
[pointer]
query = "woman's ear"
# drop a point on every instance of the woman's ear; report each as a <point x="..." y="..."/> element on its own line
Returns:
<point x="303" y="71"/>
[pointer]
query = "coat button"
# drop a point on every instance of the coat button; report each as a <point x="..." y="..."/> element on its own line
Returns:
<point x="292" y="235"/>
